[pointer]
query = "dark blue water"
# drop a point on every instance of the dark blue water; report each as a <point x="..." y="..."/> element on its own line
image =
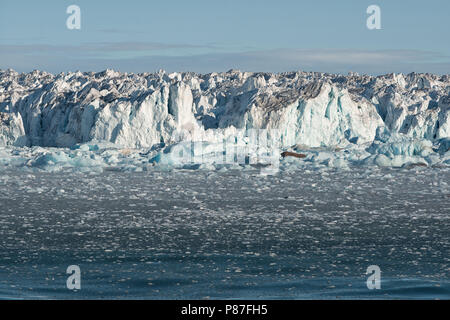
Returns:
<point x="235" y="235"/>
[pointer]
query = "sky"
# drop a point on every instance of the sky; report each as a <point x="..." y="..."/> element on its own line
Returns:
<point x="210" y="35"/>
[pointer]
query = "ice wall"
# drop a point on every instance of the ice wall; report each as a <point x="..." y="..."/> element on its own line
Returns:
<point x="143" y="110"/>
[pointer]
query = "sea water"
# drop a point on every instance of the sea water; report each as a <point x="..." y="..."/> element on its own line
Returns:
<point x="193" y="234"/>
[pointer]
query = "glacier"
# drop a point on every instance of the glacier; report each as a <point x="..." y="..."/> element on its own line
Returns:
<point x="123" y="121"/>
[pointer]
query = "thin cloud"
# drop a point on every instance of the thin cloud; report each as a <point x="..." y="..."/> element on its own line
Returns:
<point x="89" y="57"/>
<point x="91" y="48"/>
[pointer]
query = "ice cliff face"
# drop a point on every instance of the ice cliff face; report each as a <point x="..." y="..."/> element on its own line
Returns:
<point x="143" y="110"/>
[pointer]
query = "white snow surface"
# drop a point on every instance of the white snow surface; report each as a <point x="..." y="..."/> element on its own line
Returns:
<point x="133" y="121"/>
